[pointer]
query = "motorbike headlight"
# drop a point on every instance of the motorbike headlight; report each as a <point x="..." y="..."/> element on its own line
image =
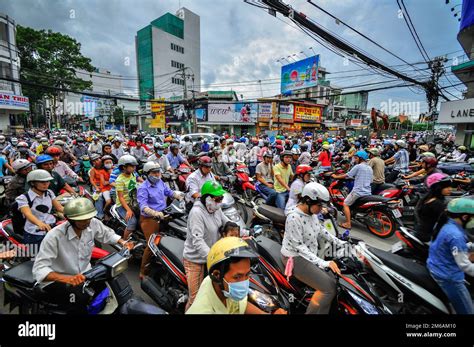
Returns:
<point x="263" y="301"/>
<point x="366" y="306"/>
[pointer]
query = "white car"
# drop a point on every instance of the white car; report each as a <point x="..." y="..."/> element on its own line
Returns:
<point x="194" y="137"/>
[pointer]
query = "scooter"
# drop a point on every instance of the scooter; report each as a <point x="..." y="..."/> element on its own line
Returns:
<point x="405" y="285"/>
<point x="354" y="296"/>
<point x="167" y="284"/>
<point x="22" y="291"/>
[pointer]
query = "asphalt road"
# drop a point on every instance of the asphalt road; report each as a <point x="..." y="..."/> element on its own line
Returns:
<point x="134" y="265"/>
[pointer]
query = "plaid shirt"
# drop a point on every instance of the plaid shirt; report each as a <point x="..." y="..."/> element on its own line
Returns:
<point x="362" y="174"/>
<point x="402" y="160"/>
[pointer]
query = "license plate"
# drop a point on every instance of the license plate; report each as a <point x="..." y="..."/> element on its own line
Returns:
<point x="407" y="199"/>
<point x="396" y="213"/>
<point x="397" y="247"/>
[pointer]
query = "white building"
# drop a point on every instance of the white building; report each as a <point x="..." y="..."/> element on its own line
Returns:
<point x="12" y="101"/>
<point x="166" y="47"/>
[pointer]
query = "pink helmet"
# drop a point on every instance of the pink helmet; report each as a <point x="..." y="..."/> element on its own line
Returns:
<point x="435" y="178"/>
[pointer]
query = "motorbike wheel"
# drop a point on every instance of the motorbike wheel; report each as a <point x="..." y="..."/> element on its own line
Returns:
<point x="259" y="200"/>
<point x="387" y="227"/>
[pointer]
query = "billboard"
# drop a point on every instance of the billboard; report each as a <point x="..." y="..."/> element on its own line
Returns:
<point x="177" y="113"/>
<point x="265" y="111"/>
<point x="233" y="113"/>
<point x="299" y="75"/>
<point x="467" y="17"/>
<point x="306" y="113"/>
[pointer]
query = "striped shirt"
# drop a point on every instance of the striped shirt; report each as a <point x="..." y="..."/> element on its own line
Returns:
<point x="402" y="160"/>
<point x="362" y="174"/>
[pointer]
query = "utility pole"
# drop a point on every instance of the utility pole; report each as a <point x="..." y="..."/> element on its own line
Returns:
<point x="432" y="87"/>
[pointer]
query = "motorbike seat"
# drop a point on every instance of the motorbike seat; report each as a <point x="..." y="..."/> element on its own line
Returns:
<point x="276" y="214"/>
<point x="21" y="275"/>
<point x="370" y="198"/>
<point x="271" y="251"/>
<point x="386" y="186"/>
<point x="410" y="269"/>
<point x="173" y="248"/>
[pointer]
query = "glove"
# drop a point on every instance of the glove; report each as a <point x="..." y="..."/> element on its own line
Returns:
<point x="158" y="215"/>
<point x="178" y="195"/>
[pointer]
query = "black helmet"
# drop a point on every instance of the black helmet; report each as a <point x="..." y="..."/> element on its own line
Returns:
<point x="285" y="153"/>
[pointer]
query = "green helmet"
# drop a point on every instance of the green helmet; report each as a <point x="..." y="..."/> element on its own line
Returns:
<point x="80" y="209"/>
<point x="461" y="206"/>
<point x="212" y="188"/>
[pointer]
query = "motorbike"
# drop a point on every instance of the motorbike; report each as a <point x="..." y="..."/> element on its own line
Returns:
<point x="85" y="168"/>
<point x="354" y="296"/>
<point x="171" y="180"/>
<point x="167" y="285"/>
<point x="4" y="181"/>
<point x="22" y="291"/>
<point x="381" y="215"/>
<point x="405" y="285"/>
<point x="410" y="245"/>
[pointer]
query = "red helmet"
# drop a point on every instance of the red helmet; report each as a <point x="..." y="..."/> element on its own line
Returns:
<point x="53" y="150"/>
<point x="320" y="140"/>
<point x="278" y="142"/>
<point x="205" y="161"/>
<point x="287" y="142"/>
<point x="430" y="162"/>
<point x="303" y="169"/>
<point x="279" y="147"/>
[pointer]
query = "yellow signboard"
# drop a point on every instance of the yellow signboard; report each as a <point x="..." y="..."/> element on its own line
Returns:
<point x="157" y="106"/>
<point x="307" y="113"/>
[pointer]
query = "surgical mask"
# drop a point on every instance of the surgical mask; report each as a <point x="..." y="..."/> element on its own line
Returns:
<point x="108" y="166"/>
<point x="159" y="152"/>
<point x="238" y="291"/>
<point x="211" y="205"/>
<point x="154" y="179"/>
<point x="470" y="224"/>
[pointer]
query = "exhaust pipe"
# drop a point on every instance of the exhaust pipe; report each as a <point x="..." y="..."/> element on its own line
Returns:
<point x="158" y="295"/>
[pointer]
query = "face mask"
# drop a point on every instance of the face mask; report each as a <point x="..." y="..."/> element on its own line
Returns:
<point x="154" y="179"/>
<point x="159" y="153"/>
<point x="108" y="166"/>
<point x="238" y="291"/>
<point x="211" y="205"/>
<point x="470" y="224"/>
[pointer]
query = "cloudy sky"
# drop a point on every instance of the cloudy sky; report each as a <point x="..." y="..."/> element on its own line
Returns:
<point x="240" y="42"/>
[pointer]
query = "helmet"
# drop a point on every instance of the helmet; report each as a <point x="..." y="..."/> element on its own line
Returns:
<point x="53" y="150"/>
<point x="21" y="164"/>
<point x="285" y="153"/>
<point x="22" y="144"/>
<point x="303" y="148"/>
<point x="127" y="160"/>
<point x="462" y="148"/>
<point x="107" y="157"/>
<point x="330" y="140"/>
<point x="217" y="151"/>
<point x="400" y="143"/>
<point x="362" y="155"/>
<point x="225" y="249"/>
<point x="278" y="142"/>
<point x="461" y="205"/>
<point x="186" y="139"/>
<point x="437" y="178"/>
<point x="243" y="139"/>
<point x="173" y="147"/>
<point x="320" y="140"/>
<point x="424" y="148"/>
<point x="374" y="152"/>
<point x="212" y="188"/>
<point x="158" y="146"/>
<point x="205" y="161"/>
<point x="326" y="147"/>
<point x="303" y="169"/>
<point x="279" y="147"/>
<point x="80" y="209"/>
<point x="107" y="144"/>
<point x="429" y="161"/>
<point x="39" y="176"/>
<point x="43" y="159"/>
<point x="427" y="154"/>
<point x="205" y="140"/>
<point x="315" y="191"/>
<point x="14" y="141"/>
<point x="357" y="144"/>
<point x="151" y="167"/>
<point x="295" y="151"/>
<point x="94" y="157"/>
<point x="59" y="143"/>
<point x="79" y="140"/>
<point x="268" y="154"/>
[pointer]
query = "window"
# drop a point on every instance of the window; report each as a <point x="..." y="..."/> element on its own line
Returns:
<point x="177" y="65"/>
<point x="177" y="48"/>
<point x="177" y="81"/>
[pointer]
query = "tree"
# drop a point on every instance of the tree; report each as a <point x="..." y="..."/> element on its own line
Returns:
<point x="51" y="59"/>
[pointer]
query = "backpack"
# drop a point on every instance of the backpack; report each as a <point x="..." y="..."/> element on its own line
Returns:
<point x="18" y="219"/>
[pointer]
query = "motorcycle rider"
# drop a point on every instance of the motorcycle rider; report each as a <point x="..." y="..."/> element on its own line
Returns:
<point x="175" y="158"/>
<point x="107" y="150"/>
<point x="303" y="231"/>
<point x="196" y="180"/>
<point x="36" y="205"/>
<point x="460" y="157"/>
<point x="378" y="168"/>
<point x="59" y="166"/>
<point x="283" y="175"/>
<point x="305" y="157"/>
<point x="220" y="169"/>
<point x="253" y="158"/>
<point x="46" y="162"/>
<point x="160" y="158"/>
<point x="125" y="183"/>
<point x="432" y="205"/>
<point x="401" y="160"/>
<point x="448" y="259"/>
<point x="139" y="152"/>
<point x="79" y="150"/>
<point x="303" y="176"/>
<point x="428" y="167"/>
<point x="295" y="155"/>
<point x="204" y="221"/>
<point x="66" y="251"/>
<point x="362" y="175"/>
<point x="16" y="187"/>
<point x="187" y="146"/>
<point x="95" y="146"/>
<point x="151" y="198"/>
<point x="229" y="154"/>
<point x="325" y="158"/>
<point x="225" y="290"/>
<point x="117" y="149"/>
<point x="264" y="175"/>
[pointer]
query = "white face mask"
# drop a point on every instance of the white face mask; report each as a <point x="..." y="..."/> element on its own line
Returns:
<point x="211" y="205"/>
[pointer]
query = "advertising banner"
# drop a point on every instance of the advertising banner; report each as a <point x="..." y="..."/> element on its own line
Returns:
<point x="233" y="113"/>
<point x="299" y="75"/>
<point x="15" y="101"/>
<point x="265" y="111"/>
<point x="309" y="114"/>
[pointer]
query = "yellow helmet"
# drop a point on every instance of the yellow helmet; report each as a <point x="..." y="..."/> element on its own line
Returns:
<point x="226" y="248"/>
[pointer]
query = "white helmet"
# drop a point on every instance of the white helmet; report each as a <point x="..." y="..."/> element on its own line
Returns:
<point x="21" y="164"/>
<point x="39" y="176"/>
<point x="400" y="143"/>
<point x="127" y="160"/>
<point x="295" y="151"/>
<point x="151" y="166"/>
<point x="315" y="191"/>
<point x="14" y="141"/>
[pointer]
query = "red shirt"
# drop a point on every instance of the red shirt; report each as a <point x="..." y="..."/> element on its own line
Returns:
<point x="325" y="158"/>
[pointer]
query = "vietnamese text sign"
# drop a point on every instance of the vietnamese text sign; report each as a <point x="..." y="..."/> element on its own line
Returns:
<point x="305" y="113"/>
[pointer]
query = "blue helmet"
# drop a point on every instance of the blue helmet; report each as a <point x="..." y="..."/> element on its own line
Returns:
<point x="362" y="155"/>
<point x="243" y="139"/>
<point x="357" y="144"/>
<point x="44" y="158"/>
<point x="387" y="142"/>
<point x="330" y="140"/>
